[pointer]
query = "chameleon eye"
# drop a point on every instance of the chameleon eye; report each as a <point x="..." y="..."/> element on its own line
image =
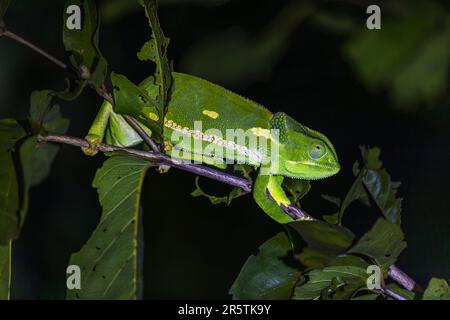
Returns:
<point x="316" y="151"/>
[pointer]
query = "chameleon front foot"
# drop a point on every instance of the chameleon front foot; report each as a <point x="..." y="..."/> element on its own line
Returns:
<point x="276" y="191"/>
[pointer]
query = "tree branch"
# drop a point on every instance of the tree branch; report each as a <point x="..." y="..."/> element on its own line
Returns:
<point x="5" y="32"/>
<point x="156" y="158"/>
<point x="392" y="294"/>
<point x="403" y="279"/>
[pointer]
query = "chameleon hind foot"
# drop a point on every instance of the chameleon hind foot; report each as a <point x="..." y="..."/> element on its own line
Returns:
<point x="94" y="142"/>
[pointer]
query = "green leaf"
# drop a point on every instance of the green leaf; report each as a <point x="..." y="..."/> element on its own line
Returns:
<point x="25" y="162"/>
<point x="409" y="56"/>
<point x="270" y="274"/>
<point x="82" y="46"/>
<point x="156" y="50"/>
<point x="356" y="192"/>
<point x="374" y="182"/>
<point x="431" y="62"/>
<point x="4" y="4"/>
<point x="10" y="197"/>
<point x="136" y="101"/>
<point x="247" y="56"/>
<point x="378" y="185"/>
<point x="383" y="243"/>
<point x="39" y="105"/>
<point x="333" y="21"/>
<point x="10" y="133"/>
<point x="384" y="192"/>
<point x="42" y="114"/>
<point x="336" y="282"/>
<point x="324" y="241"/>
<point x="234" y="193"/>
<point x="36" y="158"/>
<point x="332" y="199"/>
<point x="109" y="259"/>
<point x="349" y="260"/>
<point x="5" y="271"/>
<point x="35" y="164"/>
<point x="296" y="188"/>
<point x="409" y="295"/>
<point x="244" y="170"/>
<point x="332" y="218"/>
<point x="438" y="289"/>
<point x="371" y="157"/>
<point x="370" y="296"/>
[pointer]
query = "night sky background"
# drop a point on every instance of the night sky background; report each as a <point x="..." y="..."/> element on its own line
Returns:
<point x="268" y="52"/>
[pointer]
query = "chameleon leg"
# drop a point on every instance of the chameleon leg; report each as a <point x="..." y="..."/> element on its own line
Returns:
<point x="98" y="128"/>
<point x="276" y="190"/>
<point x="271" y="207"/>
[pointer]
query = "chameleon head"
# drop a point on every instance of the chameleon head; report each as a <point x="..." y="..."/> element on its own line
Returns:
<point x="302" y="152"/>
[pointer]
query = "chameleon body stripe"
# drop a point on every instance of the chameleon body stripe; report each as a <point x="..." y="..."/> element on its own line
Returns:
<point x="256" y="156"/>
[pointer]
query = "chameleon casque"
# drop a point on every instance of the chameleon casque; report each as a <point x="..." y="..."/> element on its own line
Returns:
<point x="302" y="153"/>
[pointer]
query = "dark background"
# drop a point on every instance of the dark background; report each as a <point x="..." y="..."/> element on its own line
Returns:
<point x="194" y="249"/>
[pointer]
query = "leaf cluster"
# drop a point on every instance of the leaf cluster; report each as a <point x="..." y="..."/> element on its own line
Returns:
<point x="324" y="260"/>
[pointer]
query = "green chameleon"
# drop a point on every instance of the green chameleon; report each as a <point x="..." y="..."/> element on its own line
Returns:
<point x="197" y="126"/>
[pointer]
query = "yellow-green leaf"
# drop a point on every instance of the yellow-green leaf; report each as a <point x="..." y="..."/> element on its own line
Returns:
<point x="438" y="289"/>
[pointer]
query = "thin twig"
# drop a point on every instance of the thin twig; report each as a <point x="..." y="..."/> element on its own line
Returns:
<point x="141" y="132"/>
<point x="11" y="35"/>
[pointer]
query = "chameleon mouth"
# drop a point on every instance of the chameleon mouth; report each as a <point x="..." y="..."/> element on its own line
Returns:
<point x="320" y="170"/>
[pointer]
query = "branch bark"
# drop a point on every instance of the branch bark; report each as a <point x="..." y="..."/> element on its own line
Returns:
<point x="5" y="32"/>
<point x="392" y="294"/>
<point x="155" y="157"/>
<point x="403" y="279"/>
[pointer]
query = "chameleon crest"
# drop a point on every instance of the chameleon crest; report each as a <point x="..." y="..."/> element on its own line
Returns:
<point x="303" y="153"/>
